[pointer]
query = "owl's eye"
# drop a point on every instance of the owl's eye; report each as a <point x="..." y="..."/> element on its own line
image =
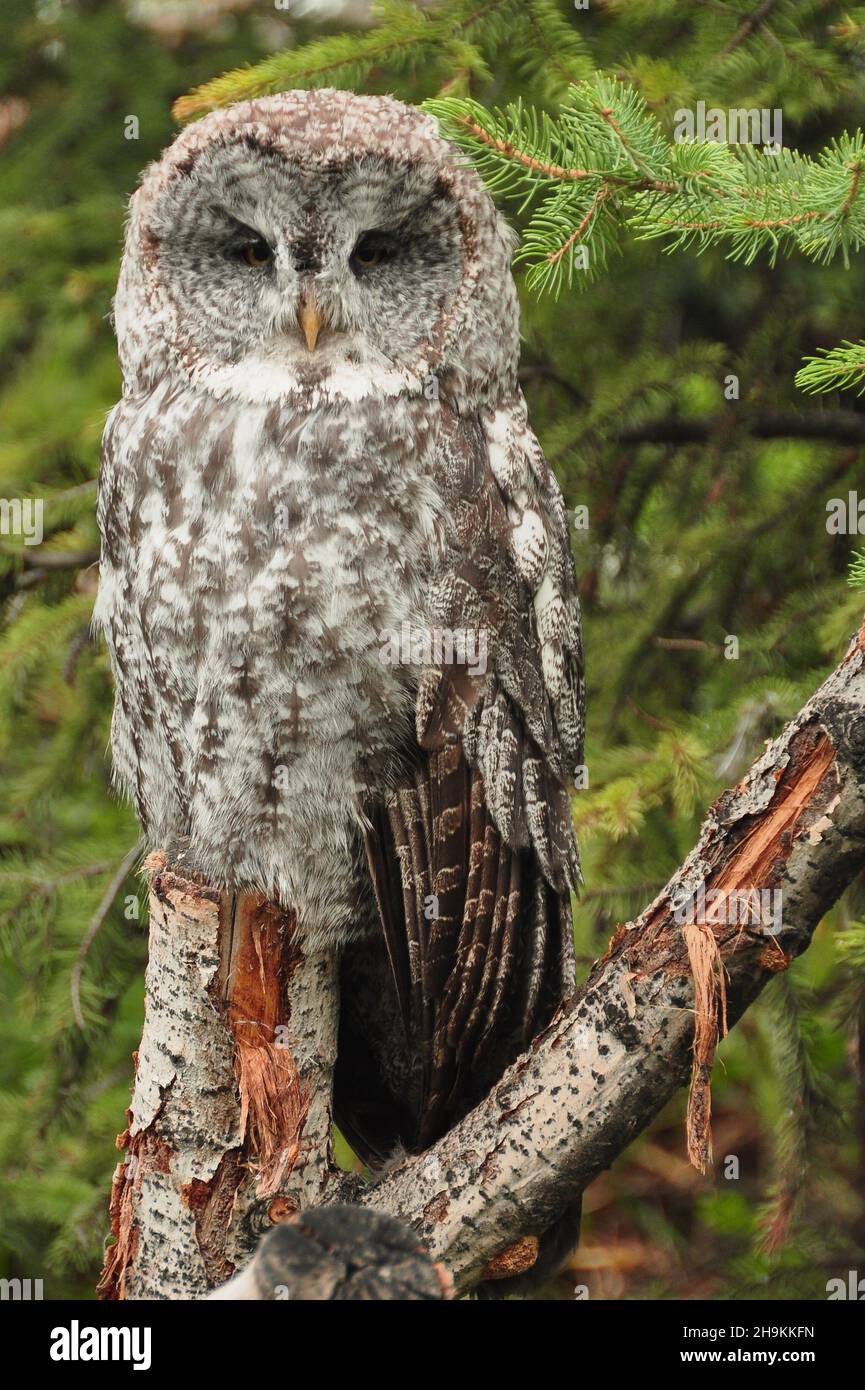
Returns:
<point x="257" y="253"/>
<point x="373" y="248"/>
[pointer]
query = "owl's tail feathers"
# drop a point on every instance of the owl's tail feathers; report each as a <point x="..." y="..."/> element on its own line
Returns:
<point x="475" y="955"/>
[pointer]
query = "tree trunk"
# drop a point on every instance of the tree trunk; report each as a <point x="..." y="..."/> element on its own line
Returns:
<point x="227" y="1137"/>
<point x="229" y="1126"/>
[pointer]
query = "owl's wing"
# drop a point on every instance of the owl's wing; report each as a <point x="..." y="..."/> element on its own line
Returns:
<point x="473" y="857"/>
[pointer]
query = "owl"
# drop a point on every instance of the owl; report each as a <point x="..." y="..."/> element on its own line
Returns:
<point x="337" y="588"/>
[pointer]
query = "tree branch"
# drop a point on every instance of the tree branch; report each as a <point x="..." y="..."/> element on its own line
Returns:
<point x="613" y="1057"/>
<point x="748" y="25"/>
<point x="41" y="559"/>
<point x="838" y="426"/>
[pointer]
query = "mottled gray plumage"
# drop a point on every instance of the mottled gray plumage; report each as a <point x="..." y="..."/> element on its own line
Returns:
<point x="338" y="1254"/>
<point x="270" y="513"/>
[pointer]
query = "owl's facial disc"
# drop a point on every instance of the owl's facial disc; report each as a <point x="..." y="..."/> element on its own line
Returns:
<point x="306" y="270"/>
<point x="317" y="245"/>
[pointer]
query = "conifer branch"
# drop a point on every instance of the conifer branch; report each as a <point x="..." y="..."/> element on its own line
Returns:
<point x="455" y="36"/>
<point x="748" y="25"/>
<point x="840" y="426"/>
<point x="118" y="878"/>
<point x="686" y="194"/>
<point x="602" y="170"/>
<point x="856" y="577"/>
<point x="834" y="369"/>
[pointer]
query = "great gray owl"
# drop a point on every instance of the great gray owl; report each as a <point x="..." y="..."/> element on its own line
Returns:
<point x="336" y="583"/>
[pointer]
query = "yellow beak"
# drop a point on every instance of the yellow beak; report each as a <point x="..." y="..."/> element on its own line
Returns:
<point x="309" y="318"/>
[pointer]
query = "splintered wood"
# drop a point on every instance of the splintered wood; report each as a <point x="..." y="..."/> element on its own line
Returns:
<point x="258" y="959"/>
<point x="753" y="864"/>
<point x="707" y="968"/>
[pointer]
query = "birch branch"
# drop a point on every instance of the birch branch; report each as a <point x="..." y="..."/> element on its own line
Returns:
<point x="616" y="1053"/>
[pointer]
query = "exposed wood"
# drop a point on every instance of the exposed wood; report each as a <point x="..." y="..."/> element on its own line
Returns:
<point x="258" y="958"/>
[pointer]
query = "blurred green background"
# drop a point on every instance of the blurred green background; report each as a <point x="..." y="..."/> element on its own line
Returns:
<point x="707" y="519"/>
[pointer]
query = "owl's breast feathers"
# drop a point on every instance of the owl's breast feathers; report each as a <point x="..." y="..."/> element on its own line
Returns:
<point x="348" y="669"/>
<point x="255" y="559"/>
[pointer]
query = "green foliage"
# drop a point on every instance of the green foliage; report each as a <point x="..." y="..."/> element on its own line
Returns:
<point x="452" y="43"/>
<point x="602" y="167"/>
<point x="70" y="73"/>
<point x="706" y="515"/>
<point x="857" y="571"/>
<point x="834" y="369"/>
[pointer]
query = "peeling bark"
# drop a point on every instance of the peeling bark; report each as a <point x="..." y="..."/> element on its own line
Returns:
<point x="229" y="1125"/>
<point x="227" y="1137"/>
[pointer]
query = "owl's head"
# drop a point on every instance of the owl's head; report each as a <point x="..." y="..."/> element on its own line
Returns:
<point x="316" y="242"/>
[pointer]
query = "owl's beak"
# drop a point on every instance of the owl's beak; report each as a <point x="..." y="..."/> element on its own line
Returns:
<point x="309" y="318"/>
